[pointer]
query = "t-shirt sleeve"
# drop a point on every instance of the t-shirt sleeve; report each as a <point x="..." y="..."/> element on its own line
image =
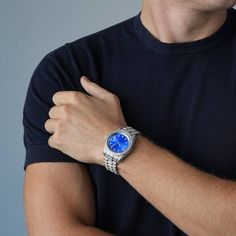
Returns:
<point x="52" y="74"/>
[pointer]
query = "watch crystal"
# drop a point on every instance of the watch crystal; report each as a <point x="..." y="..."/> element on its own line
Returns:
<point x="118" y="142"/>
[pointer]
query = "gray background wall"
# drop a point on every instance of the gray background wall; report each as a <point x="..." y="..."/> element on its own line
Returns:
<point x="28" y="30"/>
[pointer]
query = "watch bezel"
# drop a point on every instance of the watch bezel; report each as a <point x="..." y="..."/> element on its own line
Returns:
<point x="115" y="155"/>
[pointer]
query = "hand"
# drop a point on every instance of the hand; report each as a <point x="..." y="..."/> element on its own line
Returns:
<point x="80" y="122"/>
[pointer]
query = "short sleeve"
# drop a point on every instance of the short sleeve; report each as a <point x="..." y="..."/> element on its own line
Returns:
<point x="52" y="74"/>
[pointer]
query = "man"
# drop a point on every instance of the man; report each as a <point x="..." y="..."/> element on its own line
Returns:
<point x="168" y="73"/>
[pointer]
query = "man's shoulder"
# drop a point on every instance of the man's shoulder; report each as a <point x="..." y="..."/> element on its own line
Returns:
<point x="113" y="33"/>
<point x="80" y="56"/>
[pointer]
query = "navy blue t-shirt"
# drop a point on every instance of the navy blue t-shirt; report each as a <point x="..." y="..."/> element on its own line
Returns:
<point x="182" y="96"/>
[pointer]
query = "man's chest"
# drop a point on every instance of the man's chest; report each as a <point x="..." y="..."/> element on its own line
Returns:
<point x="190" y="109"/>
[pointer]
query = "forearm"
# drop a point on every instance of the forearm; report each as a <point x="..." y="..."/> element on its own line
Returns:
<point x="72" y="230"/>
<point x="198" y="203"/>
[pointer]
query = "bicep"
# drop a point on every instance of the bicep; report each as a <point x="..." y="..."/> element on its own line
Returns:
<point x="56" y="197"/>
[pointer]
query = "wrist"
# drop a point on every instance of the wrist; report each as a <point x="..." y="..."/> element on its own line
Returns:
<point x="137" y="156"/>
<point x="118" y="145"/>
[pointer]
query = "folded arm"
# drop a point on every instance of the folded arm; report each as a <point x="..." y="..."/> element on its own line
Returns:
<point x="59" y="200"/>
<point x="197" y="202"/>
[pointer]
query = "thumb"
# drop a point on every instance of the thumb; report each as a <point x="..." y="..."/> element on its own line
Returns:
<point x="94" y="89"/>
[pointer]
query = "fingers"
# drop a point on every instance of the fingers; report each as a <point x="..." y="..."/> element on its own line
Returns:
<point x="58" y="111"/>
<point x="65" y="97"/>
<point x="74" y="97"/>
<point x="95" y="90"/>
<point x="50" y="125"/>
<point x="54" y="112"/>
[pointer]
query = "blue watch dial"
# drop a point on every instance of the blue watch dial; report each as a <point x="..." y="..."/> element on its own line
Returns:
<point x="118" y="142"/>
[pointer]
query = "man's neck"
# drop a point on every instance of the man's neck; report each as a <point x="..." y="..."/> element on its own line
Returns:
<point x="176" y="24"/>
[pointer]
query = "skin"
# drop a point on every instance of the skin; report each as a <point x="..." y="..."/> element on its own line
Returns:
<point x="198" y="203"/>
<point x="53" y="206"/>
<point x="176" y="21"/>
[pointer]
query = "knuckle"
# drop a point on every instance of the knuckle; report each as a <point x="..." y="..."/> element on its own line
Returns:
<point x="54" y="97"/>
<point x="64" y="109"/>
<point x="46" y="124"/>
<point x="57" y="140"/>
<point x="114" y="98"/>
<point x="75" y="96"/>
<point x="59" y="126"/>
<point x="51" y="142"/>
<point x="50" y="113"/>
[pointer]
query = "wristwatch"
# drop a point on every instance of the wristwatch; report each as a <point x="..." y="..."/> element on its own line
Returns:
<point x="118" y="144"/>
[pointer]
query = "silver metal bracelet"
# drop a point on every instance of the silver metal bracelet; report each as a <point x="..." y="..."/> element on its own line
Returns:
<point x="111" y="164"/>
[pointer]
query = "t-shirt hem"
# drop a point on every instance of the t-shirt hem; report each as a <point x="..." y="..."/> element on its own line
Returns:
<point x="44" y="153"/>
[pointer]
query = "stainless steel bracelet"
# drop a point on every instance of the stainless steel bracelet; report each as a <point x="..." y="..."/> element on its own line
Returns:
<point x="110" y="164"/>
<point x="132" y="131"/>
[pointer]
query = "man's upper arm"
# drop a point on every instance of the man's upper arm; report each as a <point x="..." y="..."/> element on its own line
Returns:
<point x="58" y="189"/>
<point x="57" y="196"/>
